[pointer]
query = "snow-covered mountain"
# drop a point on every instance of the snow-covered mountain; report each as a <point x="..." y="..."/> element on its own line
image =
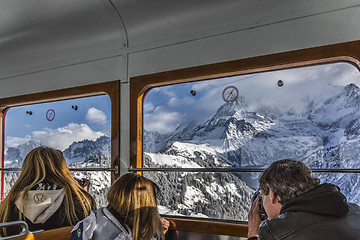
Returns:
<point x="78" y="151"/>
<point x="82" y="154"/>
<point x="323" y="132"/>
<point x="213" y="195"/>
<point x="14" y="156"/>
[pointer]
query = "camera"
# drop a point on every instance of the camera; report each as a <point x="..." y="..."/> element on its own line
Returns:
<point x="262" y="212"/>
<point x="80" y="181"/>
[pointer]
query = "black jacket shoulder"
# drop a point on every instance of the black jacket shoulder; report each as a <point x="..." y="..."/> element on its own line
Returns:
<point x="321" y="213"/>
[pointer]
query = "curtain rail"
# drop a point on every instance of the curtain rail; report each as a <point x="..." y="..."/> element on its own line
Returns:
<point x="72" y="169"/>
<point x="323" y="170"/>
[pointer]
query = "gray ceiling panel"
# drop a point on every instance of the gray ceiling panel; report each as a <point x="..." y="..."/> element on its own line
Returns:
<point x="42" y="34"/>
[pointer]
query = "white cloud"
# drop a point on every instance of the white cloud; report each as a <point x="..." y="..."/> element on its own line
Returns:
<point x="170" y="94"/>
<point x="15" y="141"/>
<point x="94" y="115"/>
<point x="176" y="102"/>
<point x="59" y="138"/>
<point x="162" y="120"/>
<point x="148" y="107"/>
<point x="345" y="74"/>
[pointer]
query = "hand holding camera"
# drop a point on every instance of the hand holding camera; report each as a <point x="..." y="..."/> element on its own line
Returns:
<point x="84" y="183"/>
<point x="262" y="212"/>
<point x="256" y="215"/>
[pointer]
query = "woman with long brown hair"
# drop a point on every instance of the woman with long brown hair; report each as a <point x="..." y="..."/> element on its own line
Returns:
<point x="45" y="195"/>
<point x="131" y="214"/>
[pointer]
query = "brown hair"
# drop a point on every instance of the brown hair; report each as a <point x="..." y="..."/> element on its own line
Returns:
<point x="133" y="197"/>
<point x="287" y="178"/>
<point x="44" y="164"/>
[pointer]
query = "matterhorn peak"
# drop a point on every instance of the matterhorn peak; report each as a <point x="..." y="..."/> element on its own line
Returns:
<point x="352" y="91"/>
<point x="231" y="107"/>
<point x="350" y="97"/>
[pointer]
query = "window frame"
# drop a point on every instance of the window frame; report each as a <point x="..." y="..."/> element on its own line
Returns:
<point x="139" y="85"/>
<point x="112" y="89"/>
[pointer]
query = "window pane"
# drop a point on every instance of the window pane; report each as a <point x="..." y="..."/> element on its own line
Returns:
<point x="205" y="195"/>
<point x="310" y="114"/>
<point x="80" y="128"/>
<point x="348" y="183"/>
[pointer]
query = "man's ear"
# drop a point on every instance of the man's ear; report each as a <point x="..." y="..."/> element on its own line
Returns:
<point x="273" y="197"/>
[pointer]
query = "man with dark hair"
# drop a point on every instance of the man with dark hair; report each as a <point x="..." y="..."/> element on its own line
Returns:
<point x="299" y="207"/>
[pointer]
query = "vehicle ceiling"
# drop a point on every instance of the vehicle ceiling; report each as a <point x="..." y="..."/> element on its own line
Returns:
<point x="42" y="34"/>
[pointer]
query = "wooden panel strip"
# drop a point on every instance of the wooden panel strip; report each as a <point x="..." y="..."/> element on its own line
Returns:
<point x="209" y="227"/>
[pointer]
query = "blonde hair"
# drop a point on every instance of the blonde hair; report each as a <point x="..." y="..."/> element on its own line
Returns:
<point x="133" y="198"/>
<point x="44" y="164"/>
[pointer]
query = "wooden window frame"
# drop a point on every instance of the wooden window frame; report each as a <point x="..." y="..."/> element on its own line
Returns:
<point x="112" y="89"/>
<point x="342" y="52"/>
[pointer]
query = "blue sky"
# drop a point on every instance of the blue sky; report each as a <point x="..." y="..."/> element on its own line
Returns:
<point x="167" y="107"/>
<point x="89" y="121"/>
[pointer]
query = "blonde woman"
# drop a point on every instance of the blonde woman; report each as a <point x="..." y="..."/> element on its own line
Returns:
<point x="45" y="194"/>
<point x="131" y="214"/>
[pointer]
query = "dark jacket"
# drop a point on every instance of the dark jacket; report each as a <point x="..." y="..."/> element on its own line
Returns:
<point x="321" y="213"/>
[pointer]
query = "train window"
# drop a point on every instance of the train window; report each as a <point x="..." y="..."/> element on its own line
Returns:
<point x="80" y="128"/>
<point x="206" y="142"/>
